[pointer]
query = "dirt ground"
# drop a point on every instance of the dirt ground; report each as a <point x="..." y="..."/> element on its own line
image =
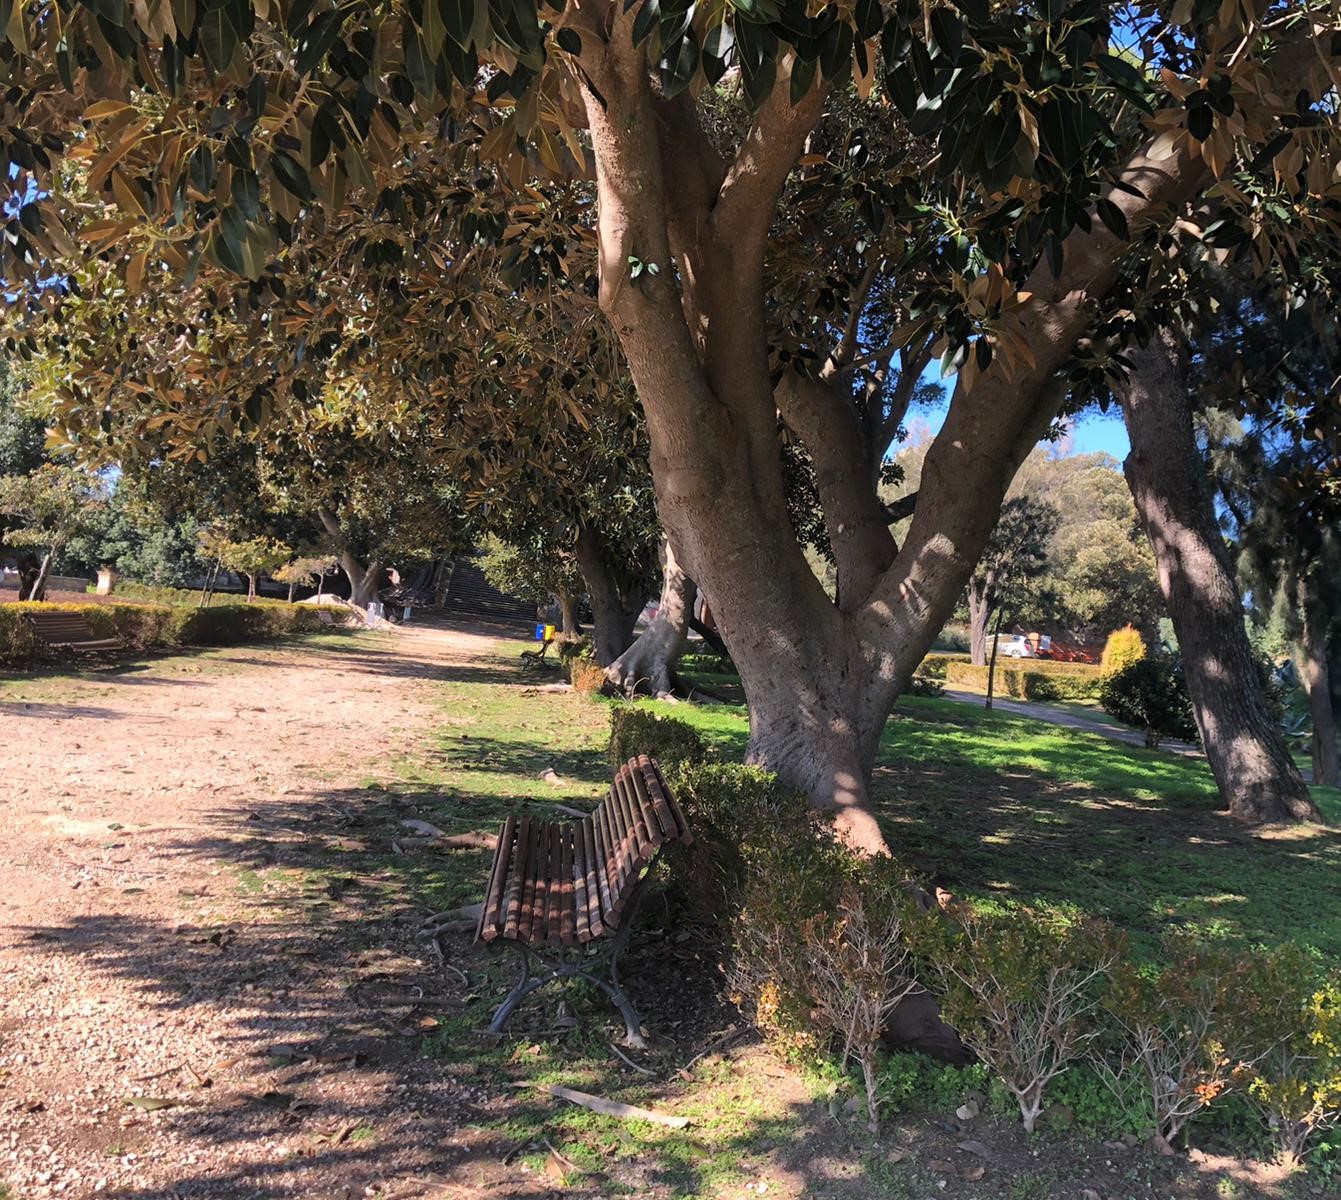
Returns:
<point x="211" y="987"/>
<point x="162" y="1032"/>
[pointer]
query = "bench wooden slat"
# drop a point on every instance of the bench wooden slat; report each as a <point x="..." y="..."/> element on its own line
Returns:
<point x="493" y="893"/>
<point x="614" y="861"/>
<point x="526" y="923"/>
<point x="651" y="786"/>
<point x="601" y="836"/>
<point x="686" y="837"/>
<point x="595" y="920"/>
<point x="649" y="822"/>
<point x="521" y="859"/>
<point x="568" y="925"/>
<point x="644" y="843"/>
<point x="581" y="874"/>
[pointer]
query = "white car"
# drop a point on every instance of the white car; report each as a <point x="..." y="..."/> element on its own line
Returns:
<point x="1019" y="646"/>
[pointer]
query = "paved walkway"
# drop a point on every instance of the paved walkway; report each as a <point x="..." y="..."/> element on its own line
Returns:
<point x="1062" y="716"/>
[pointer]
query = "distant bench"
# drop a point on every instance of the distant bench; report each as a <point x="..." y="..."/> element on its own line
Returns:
<point x="69" y="631"/>
<point x="566" y="884"/>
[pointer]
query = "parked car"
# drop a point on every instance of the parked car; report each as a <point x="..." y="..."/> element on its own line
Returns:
<point x="1018" y="646"/>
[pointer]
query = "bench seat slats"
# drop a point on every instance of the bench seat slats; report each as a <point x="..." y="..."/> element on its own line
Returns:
<point x="69" y="631"/>
<point x="640" y="834"/>
<point x="595" y="922"/>
<point x="565" y="883"/>
<point x="685" y="837"/>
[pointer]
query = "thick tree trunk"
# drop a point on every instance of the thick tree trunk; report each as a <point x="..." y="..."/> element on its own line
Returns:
<point x="1315" y="675"/>
<point x="364" y="581"/>
<point x="1245" y="748"/>
<point x="614" y="604"/>
<point x="29" y="569"/>
<point x="38" y="590"/>
<point x="251" y="585"/>
<point x="980" y="614"/>
<point x="572" y="628"/>
<point x="364" y="591"/>
<point x="648" y="666"/>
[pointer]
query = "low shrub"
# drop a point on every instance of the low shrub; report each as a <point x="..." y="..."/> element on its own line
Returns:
<point x="854" y="970"/>
<point x="1296" y="1086"/>
<point x="1038" y="681"/>
<point x="1022" y="988"/>
<point x="928" y="688"/>
<point x="634" y="729"/>
<point x="145" y="626"/>
<point x="713" y="664"/>
<point x="1124" y="647"/>
<point x="1198" y="1026"/>
<point x="1151" y="694"/>
<point x="934" y="665"/>
<point x="916" y="1083"/>
<point x="586" y="675"/>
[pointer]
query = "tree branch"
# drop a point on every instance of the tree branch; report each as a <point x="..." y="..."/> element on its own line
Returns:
<point x="858" y="529"/>
<point x="749" y="194"/>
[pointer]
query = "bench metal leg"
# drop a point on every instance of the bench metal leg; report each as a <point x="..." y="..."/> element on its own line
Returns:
<point x="529" y="983"/>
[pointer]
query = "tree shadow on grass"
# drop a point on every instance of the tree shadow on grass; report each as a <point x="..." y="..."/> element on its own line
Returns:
<point x="1026" y="836"/>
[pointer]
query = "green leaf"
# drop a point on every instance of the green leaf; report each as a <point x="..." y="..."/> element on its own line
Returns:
<point x="677" y="69"/>
<point x="646" y="21"/>
<point x="803" y="75"/>
<point x="291" y="176"/>
<point x="947" y="31"/>
<point x="218" y="37"/>
<point x="435" y="29"/>
<point x="1112" y="216"/>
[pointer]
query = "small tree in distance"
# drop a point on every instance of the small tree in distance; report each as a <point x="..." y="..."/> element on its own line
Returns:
<point x="252" y="557"/>
<point x="1124" y="647"/>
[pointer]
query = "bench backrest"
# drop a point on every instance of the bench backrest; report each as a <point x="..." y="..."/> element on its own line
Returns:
<point x="61" y="627"/>
<point x="570" y="881"/>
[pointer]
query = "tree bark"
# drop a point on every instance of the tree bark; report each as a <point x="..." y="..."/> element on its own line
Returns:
<point x="980" y="616"/>
<point x="38" y="591"/>
<point x="1246" y="749"/>
<point x="251" y="585"/>
<point x="568" y="616"/>
<point x="648" y="666"/>
<point x="615" y="601"/>
<point x="29" y="569"/>
<point x="1315" y="675"/>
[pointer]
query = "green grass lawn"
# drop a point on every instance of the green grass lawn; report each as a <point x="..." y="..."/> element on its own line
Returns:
<point x="1001" y="809"/>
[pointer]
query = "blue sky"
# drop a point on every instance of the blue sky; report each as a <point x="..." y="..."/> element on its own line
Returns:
<point x="1091" y="432"/>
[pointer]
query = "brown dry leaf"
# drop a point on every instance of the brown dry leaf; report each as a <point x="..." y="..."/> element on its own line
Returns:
<point x="555" y="1169"/>
<point x="972" y="1174"/>
<point x="939" y="1164"/>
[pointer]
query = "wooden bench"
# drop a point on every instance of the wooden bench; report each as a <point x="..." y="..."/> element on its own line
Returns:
<point x="534" y="659"/>
<point x="69" y="631"/>
<point x="573" y="887"/>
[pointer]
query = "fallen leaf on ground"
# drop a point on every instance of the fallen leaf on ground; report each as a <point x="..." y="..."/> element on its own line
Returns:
<point x="973" y="1147"/>
<point x="972" y="1174"/>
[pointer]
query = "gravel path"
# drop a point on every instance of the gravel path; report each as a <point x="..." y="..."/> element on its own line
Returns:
<point x="168" y="1026"/>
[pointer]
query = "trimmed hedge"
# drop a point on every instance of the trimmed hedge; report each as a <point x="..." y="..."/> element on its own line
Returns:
<point x="142" y="626"/>
<point x="635" y="730"/>
<point x="1038" y="681"/>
